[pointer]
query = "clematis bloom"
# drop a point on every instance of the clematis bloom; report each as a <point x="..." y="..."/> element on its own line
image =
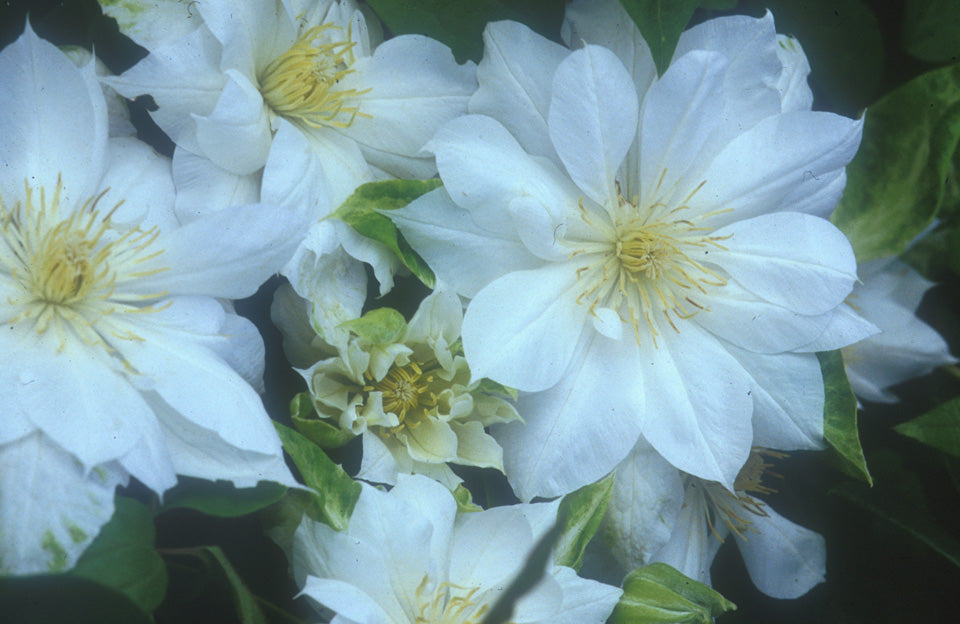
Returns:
<point x="647" y="255"/>
<point x="122" y="356"/>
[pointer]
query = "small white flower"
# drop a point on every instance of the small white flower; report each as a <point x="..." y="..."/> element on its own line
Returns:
<point x="410" y="395"/>
<point x="658" y="513"/>
<point x="409" y="558"/>
<point x="121" y="357"/>
<point x="907" y="347"/>
<point x="644" y="255"/>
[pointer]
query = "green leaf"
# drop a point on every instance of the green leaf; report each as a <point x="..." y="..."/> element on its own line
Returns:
<point x="122" y="556"/>
<point x="579" y="516"/>
<point x="382" y="326"/>
<point x="465" y="500"/>
<point x="898" y="499"/>
<point x="221" y="498"/>
<point x="937" y="253"/>
<point x="65" y="598"/>
<point x="533" y="570"/>
<point x="460" y="23"/>
<point x="662" y="21"/>
<point x="335" y="493"/>
<point x="840" y="415"/>
<point x="657" y="593"/>
<point x="245" y="603"/>
<point x="895" y="184"/>
<point x="308" y="422"/>
<point x="360" y="211"/>
<point x="930" y="30"/>
<point x="939" y="428"/>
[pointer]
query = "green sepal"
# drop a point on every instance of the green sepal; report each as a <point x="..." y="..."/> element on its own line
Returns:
<point x="840" y="415"/>
<point x="895" y="184"/>
<point x="661" y="22"/>
<point x="304" y="415"/>
<point x="122" y="556"/>
<point x="334" y="494"/>
<point x="658" y="594"/>
<point x="221" y="498"/>
<point x="939" y="428"/>
<point x="579" y="517"/>
<point x="361" y="211"/>
<point x="465" y="500"/>
<point x="382" y="326"/>
<point x="488" y="386"/>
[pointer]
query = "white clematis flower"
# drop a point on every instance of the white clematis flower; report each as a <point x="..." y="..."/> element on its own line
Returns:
<point x="408" y="557"/>
<point x="906" y="347"/>
<point x="658" y="513"/>
<point x="121" y="358"/>
<point x="408" y="391"/>
<point x="647" y="256"/>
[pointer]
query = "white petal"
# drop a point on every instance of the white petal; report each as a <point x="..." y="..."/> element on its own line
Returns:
<point x="236" y="135"/>
<point x="464" y="256"/>
<point x="784" y="560"/>
<point x="228" y="253"/>
<point x="521" y="330"/>
<point x="691" y="548"/>
<point x="606" y="23"/>
<point x="698" y="407"/>
<point x="797" y="261"/>
<point x="203" y="187"/>
<point x="680" y="114"/>
<point x="795" y="94"/>
<point x="50" y="507"/>
<point x="515" y="76"/>
<point x="378" y="464"/>
<point x="54" y="122"/>
<point x="431" y="501"/>
<point x="593" y="118"/>
<point x="845" y="327"/>
<point x="489" y="546"/>
<point x="149" y="22"/>
<point x="787" y="393"/>
<point x="252" y="33"/>
<point x="415" y="86"/>
<point x="483" y="168"/>
<point x="646" y="498"/>
<point x="138" y="182"/>
<point x="74" y="393"/>
<point x="183" y="77"/>
<point x="584" y="601"/>
<point x="577" y="431"/>
<point x="347" y="601"/>
<point x="780" y="163"/>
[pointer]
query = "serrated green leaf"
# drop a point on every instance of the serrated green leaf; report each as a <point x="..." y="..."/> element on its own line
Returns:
<point x="579" y="516"/>
<point x="361" y="212"/>
<point x="898" y="498"/>
<point x="460" y="23"/>
<point x="658" y="594"/>
<point x="308" y="422"/>
<point x="245" y="603"/>
<point x="930" y="30"/>
<point x="895" y="184"/>
<point x="662" y="21"/>
<point x="939" y="428"/>
<point x="334" y="493"/>
<point x="840" y="414"/>
<point x="382" y="326"/>
<point x="533" y="570"/>
<point x="465" y="500"/>
<point x="221" y="498"/>
<point x="122" y="557"/>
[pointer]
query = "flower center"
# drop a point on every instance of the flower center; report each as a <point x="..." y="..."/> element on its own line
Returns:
<point x="406" y="393"/>
<point x="448" y="604"/>
<point x="301" y="83"/>
<point x="641" y="263"/>
<point x="735" y="509"/>
<point x="65" y="268"/>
